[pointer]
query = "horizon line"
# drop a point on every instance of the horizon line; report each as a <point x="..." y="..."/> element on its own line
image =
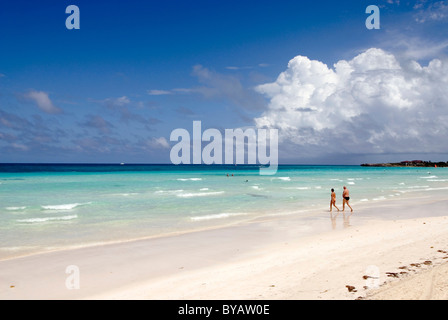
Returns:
<point x="181" y="164"/>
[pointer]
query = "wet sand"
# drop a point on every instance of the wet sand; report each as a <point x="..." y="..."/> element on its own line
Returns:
<point x="367" y="254"/>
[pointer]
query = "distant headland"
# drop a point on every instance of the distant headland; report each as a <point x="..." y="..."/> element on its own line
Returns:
<point x="413" y="163"/>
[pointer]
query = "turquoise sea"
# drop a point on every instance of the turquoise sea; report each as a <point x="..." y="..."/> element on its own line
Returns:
<point x="47" y="206"/>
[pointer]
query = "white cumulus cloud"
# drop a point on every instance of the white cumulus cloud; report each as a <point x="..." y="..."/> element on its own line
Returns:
<point x="373" y="103"/>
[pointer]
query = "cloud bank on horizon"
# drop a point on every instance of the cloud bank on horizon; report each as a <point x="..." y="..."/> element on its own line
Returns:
<point x="372" y="103"/>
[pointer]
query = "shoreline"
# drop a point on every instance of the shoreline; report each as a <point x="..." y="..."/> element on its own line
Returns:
<point x="285" y="257"/>
<point x="31" y="229"/>
<point x="299" y="214"/>
<point x="177" y="233"/>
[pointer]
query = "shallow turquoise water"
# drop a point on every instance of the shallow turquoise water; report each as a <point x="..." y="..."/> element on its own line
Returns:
<point x="55" y="206"/>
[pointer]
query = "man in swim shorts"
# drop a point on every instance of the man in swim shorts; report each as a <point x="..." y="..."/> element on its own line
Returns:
<point x="345" y="198"/>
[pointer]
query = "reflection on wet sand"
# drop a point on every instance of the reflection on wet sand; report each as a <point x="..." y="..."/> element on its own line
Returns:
<point x="345" y="217"/>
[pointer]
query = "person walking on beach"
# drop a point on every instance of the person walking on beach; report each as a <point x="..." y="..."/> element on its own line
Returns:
<point x="333" y="200"/>
<point x="346" y="199"/>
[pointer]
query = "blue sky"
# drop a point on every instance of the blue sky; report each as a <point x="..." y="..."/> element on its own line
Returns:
<point x="114" y="90"/>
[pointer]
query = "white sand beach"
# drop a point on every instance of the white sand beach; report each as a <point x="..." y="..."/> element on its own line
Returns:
<point x="362" y="255"/>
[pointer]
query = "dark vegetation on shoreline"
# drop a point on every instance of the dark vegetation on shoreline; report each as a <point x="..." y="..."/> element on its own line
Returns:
<point x="413" y="163"/>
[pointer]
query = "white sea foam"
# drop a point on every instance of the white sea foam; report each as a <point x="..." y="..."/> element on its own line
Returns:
<point x="189" y="179"/>
<point x="283" y="178"/>
<point x="37" y="220"/>
<point x="364" y="200"/>
<point x="15" y="208"/>
<point x="429" y="177"/>
<point x="168" y="191"/>
<point x="422" y="188"/>
<point x="69" y="206"/>
<point x="217" y="216"/>
<point x="417" y="187"/>
<point x="433" y="189"/>
<point x="199" y="194"/>
<point x="350" y="182"/>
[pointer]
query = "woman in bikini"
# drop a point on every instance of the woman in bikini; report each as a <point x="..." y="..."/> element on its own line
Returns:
<point x="333" y="200"/>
